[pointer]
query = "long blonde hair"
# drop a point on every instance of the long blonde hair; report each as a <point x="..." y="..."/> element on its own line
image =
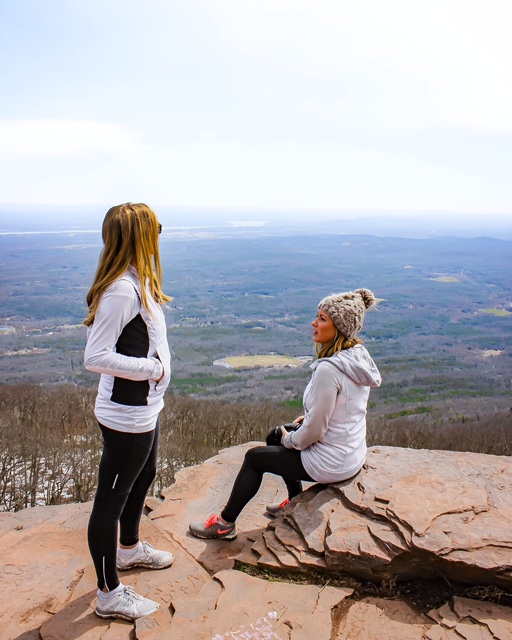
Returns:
<point x="339" y="343"/>
<point x="130" y="237"/>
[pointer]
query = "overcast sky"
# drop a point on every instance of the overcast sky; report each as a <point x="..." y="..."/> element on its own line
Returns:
<point x="283" y="104"/>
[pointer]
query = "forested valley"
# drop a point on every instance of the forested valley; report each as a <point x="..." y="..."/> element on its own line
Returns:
<point x="440" y="334"/>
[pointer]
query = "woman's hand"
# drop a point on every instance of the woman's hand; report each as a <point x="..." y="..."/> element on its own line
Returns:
<point x="283" y="434"/>
<point x="298" y="420"/>
<point x="163" y="374"/>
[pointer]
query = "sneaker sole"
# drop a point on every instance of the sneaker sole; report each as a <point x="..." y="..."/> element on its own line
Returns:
<point x="205" y="537"/>
<point x="120" y="616"/>
<point x="144" y="566"/>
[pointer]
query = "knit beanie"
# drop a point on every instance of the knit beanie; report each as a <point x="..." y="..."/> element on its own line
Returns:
<point x="347" y="310"/>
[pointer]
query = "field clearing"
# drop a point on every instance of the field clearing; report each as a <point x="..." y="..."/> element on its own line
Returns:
<point x="26" y="352"/>
<point x="265" y="361"/>
<point x="445" y="279"/>
<point x="497" y="312"/>
<point x="491" y="353"/>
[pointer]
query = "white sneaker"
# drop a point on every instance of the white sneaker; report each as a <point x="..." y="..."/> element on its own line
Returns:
<point x="146" y="556"/>
<point x="126" y="604"/>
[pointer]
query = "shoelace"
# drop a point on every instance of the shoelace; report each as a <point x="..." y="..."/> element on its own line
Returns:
<point x="211" y="521"/>
<point x="147" y="549"/>
<point x="131" y="595"/>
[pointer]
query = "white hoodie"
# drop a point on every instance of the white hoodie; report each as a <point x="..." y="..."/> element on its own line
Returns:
<point x="332" y="437"/>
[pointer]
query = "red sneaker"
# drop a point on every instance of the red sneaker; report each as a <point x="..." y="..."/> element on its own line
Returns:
<point x="274" y="509"/>
<point x="213" y="528"/>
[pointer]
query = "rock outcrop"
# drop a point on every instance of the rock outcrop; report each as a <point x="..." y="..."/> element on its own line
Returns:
<point x="408" y="514"/>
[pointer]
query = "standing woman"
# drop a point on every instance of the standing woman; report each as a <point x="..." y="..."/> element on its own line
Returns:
<point x="127" y="345"/>
<point x="330" y="445"/>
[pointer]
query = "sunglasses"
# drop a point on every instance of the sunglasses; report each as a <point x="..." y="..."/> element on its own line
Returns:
<point x="159" y="228"/>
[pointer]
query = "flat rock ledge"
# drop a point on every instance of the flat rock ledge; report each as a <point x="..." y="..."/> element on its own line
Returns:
<point x="408" y="514"/>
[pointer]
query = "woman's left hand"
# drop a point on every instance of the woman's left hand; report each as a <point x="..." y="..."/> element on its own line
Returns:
<point x="283" y="434"/>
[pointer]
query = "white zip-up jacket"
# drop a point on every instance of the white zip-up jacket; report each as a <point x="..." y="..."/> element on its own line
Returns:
<point x="332" y="437"/>
<point x="128" y="347"/>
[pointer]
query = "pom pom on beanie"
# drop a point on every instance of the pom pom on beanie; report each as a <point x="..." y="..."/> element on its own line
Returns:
<point x="347" y="310"/>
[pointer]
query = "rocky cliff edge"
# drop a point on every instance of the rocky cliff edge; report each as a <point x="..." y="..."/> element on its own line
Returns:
<point x="410" y="516"/>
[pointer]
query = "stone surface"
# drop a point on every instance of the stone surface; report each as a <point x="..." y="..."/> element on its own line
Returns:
<point x="47" y="582"/>
<point x="48" y="585"/>
<point x="239" y="601"/>
<point x="465" y="618"/>
<point x="201" y="491"/>
<point x="390" y="619"/>
<point x="408" y="514"/>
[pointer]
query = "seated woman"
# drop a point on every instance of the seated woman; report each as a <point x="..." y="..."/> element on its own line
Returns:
<point x="330" y="445"/>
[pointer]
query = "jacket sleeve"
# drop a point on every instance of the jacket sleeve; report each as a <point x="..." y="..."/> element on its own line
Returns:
<point x="325" y="386"/>
<point x="118" y="306"/>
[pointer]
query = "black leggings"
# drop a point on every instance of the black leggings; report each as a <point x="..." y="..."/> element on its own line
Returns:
<point x="275" y="459"/>
<point x="127" y="469"/>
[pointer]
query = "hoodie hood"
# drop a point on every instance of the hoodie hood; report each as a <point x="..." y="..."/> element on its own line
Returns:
<point x="357" y="364"/>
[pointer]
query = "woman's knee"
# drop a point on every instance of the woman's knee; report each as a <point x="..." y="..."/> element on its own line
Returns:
<point x="262" y="457"/>
<point x="255" y="453"/>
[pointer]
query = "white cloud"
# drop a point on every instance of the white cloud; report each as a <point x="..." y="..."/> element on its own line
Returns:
<point x="61" y="137"/>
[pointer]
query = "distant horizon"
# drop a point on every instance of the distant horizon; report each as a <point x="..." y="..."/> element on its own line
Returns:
<point x="239" y="222"/>
<point x="332" y="212"/>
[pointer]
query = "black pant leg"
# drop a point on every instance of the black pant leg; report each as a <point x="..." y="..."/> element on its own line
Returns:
<point x="124" y="457"/>
<point x="278" y="460"/>
<point x="132" y="512"/>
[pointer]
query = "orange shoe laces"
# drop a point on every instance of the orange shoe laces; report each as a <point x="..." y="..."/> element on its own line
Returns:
<point x="211" y="521"/>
